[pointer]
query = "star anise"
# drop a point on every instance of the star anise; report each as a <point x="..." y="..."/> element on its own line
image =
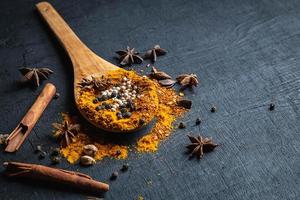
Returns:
<point x="129" y="56"/>
<point x="93" y="82"/>
<point x="154" y="52"/>
<point x="35" y="75"/>
<point x="187" y="80"/>
<point x="200" y="145"/>
<point x="66" y="132"/>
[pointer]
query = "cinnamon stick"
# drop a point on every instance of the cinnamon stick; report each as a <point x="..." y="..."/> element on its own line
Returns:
<point x="59" y="176"/>
<point x="23" y="129"/>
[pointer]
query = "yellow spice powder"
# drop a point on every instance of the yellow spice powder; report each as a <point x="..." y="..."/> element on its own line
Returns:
<point x="106" y="118"/>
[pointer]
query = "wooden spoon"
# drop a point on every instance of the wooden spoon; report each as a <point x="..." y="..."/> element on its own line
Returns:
<point x="85" y="62"/>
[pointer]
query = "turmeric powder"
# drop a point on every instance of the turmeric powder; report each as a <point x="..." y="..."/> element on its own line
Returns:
<point x="166" y="113"/>
<point x="122" y="101"/>
<point x="74" y="151"/>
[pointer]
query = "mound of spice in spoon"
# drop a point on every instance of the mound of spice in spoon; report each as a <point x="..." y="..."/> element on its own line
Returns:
<point x="120" y="101"/>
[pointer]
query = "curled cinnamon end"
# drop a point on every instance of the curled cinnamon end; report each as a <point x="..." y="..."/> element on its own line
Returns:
<point x="58" y="176"/>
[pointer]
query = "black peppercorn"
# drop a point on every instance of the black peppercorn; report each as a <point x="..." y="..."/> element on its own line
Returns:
<point x="119" y="115"/>
<point x="55" y="152"/>
<point x="104" y="97"/>
<point x="198" y="121"/>
<point x="108" y="106"/>
<point x="122" y="106"/>
<point x="125" y="167"/>
<point x="113" y="94"/>
<point x="272" y="106"/>
<point x="126" y="115"/>
<point x="114" y="176"/>
<point x="101" y="98"/>
<point x="130" y="105"/>
<point x="42" y="155"/>
<point x="118" y="152"/>
<point x="213" y="109"/>
<point x="98" y="108"/>
<point x="181" y="125"/>
<point x="142" y="121"/>
<point x="57" y="95"/>
<point x="123" y="110"/>
<point x="95" y="100"/>
<point x="55" y="159"/>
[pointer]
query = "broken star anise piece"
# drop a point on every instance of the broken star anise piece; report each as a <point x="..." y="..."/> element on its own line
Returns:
<point x="168" y="83"/>
<point x="66" y="132"/>
<point x="93" y="82"/>
<point x="200" y="145"/>
<point x="187" y="80"/>
<point x="154" y="52"/>
<point x="35" y="75"/>
<point x="159" y="75"/>
<point x="129" y="56"/>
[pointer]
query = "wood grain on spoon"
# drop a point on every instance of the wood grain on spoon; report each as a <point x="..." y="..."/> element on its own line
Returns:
<point x="85" y="62"/>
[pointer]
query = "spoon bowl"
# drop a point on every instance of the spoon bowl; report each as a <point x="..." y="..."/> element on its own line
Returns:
<point x="85" y="62"/>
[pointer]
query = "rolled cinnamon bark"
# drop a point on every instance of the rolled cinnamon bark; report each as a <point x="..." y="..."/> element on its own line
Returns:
<point x="59" y="176"/>
<point x="23" y="129"/>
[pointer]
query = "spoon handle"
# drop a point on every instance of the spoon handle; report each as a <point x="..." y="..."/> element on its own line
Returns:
<point x="85" y="62"/>
<point x="63" y="32"/>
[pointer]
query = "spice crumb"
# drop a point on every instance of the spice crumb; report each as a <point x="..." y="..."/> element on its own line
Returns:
<point x="3" y="138"/>
<point x="55" y="152"/>
<point x="140" y="197"/>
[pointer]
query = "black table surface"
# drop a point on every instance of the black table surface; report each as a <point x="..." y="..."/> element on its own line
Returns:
<point x="246" y="55"/>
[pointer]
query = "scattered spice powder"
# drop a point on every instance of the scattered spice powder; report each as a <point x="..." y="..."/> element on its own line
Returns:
<point x="168" y="111"/>
<point x="76" y="149"/>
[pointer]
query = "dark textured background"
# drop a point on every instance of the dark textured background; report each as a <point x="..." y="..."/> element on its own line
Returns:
<point x="246" y="55"/>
